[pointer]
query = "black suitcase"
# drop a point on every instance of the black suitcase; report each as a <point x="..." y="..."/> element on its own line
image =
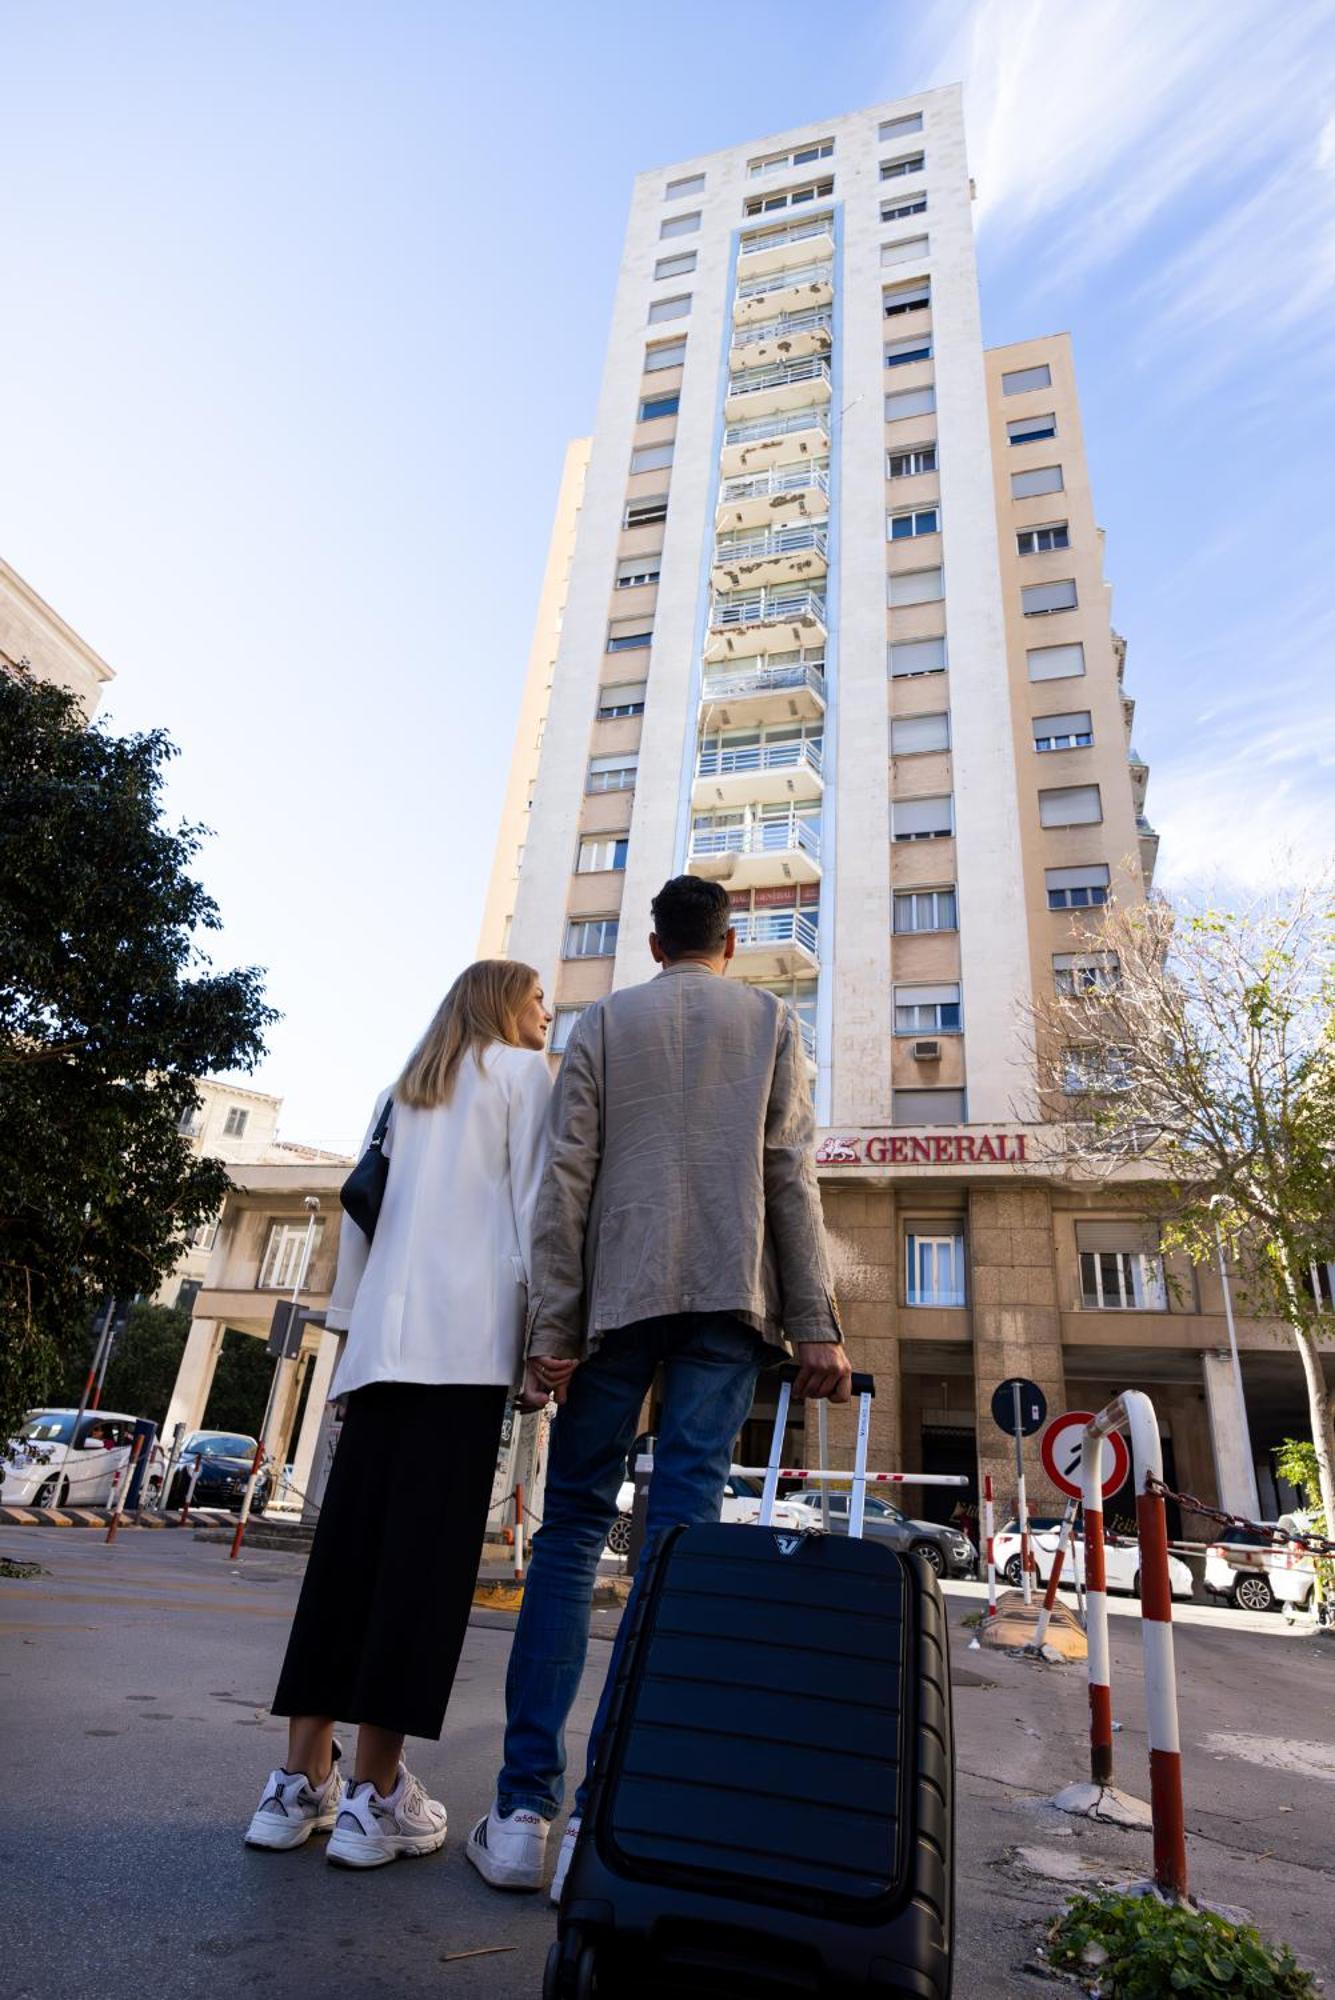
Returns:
<point x="773" y="1810"/>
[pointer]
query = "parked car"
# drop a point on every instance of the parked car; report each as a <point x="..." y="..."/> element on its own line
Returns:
<point x="741" y="1502"/>
<point x="1121" y="1559"/>
<point x="944" y="1548"/>
<point x="224" y="1459"/>
<point x="1256" y="1573"/>
<point x="51" y="1462"/>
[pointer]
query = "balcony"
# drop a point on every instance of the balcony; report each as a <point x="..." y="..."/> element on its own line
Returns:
<point x="739" y="623"/>
<point x="763" y="774"/>
<point x="782" y="848"/>
<point x="784" y="337"/>
<point x="786" y="439"/>
<point x="757" y="300"/>
<point x="790" y="246"/>
<point x="777" y="944"/>
<point x="781" y="555"/>
<point x="766" y="499"/>
<point x="1149" y="847"/>
<point x="1140" y="779"/>
<point x="749" y="694"/>
<point x="787" y="385"/>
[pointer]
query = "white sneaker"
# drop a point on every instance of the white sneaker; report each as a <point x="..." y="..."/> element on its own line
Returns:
<point x="291" y="1809"/>
<point x="568" y="1839"/>
<point x="509" y="1853"/>
<point x="371" y="1830"/>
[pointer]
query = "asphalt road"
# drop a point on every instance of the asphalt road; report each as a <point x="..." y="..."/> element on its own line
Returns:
<point x="134" y="1682"/>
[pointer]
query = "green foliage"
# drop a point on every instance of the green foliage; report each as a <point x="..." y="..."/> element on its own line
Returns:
<point x="144" y="1361"/>
<point x="240" y="1386"/>
<point x="1295" y="1462"/>
<point x="109" y="1011"/>
<point x="1140" y="1948"/>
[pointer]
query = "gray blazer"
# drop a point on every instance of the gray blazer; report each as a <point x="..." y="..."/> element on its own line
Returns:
<point x="679" y="1172"/>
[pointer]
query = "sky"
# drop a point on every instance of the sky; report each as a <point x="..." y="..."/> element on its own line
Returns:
<point x="302" y="304"/>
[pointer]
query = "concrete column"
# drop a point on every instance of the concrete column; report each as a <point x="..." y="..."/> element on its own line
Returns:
<point x="1235" y="1475"/>
<point x="283" y="1407"/>
<point x="861" y="1228"/>
<point x="1016" y="1329"/>
<point x="194" y="1377"/>
<point x="322" y="1374"/>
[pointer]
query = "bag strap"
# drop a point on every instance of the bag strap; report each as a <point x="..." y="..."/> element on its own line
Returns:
<point x="377" y="1138"/>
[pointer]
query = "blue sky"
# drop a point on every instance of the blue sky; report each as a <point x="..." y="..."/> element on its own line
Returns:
<point x="302" y="304"/>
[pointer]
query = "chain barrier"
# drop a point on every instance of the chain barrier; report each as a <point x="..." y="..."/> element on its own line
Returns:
<point x="1310" y="1544"/>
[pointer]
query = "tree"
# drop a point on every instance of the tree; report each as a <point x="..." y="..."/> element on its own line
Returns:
<point x="1196" y="1050"/>
<point x="144" y="1362"/>
<point x="109" y="1012"/>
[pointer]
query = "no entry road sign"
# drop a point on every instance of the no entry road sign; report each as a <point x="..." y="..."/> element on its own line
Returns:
<point x="1061" y="1449"/>
<point x="1033" y="1406"/>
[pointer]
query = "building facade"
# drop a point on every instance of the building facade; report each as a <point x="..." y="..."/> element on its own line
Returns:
<point x="836" y="633"/>
<point x="35" y="640"/>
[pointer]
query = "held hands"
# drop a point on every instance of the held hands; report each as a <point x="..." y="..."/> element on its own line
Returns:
<point x="545" y="1380"/>
<point x="823" y="1370"/>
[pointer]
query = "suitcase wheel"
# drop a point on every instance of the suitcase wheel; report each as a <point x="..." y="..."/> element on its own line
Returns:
<point x="572" y="1971"/>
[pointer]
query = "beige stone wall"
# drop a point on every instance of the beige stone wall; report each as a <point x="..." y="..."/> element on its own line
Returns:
<point x="32" y="634"/>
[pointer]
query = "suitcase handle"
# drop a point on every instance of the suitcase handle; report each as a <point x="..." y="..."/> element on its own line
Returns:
<point x="864" y="1388"/>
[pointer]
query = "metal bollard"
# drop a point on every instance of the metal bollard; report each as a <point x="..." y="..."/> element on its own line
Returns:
<point x="246" y="1499"/>
<point x="989" y="1532"/>
<point x="519" y="1534"/>
<point x="190" y="1490"/>
<point x="1050" y="1594"/>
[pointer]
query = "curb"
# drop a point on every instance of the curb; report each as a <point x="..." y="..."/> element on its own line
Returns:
<point x="505" y="1594"/>
<point x="100" y="1517"/>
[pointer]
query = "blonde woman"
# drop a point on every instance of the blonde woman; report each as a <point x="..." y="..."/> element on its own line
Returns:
<point x="434" y="1308"/>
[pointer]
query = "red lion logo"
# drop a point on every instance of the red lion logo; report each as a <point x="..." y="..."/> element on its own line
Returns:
<point x="839" y="1153"/>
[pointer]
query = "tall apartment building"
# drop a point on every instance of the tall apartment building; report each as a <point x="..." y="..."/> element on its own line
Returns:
<point x="836" y="633"/>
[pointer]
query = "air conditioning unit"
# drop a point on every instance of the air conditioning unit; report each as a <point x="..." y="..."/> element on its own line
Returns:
<point x="927" y="1052"/>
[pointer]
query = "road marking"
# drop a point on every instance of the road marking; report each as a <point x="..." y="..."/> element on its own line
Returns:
<point x="1276" y="1753"/>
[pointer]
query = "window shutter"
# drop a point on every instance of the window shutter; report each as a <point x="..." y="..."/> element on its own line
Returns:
<point x="898" y="128"/>
<point x="1070" y="805"/>
<point x="680" y="225"/>
<point x="909" y="733"/>
<point x="1134" y="1236"/>
<point x="909" y="403"/>
<point x="922" y="815"/>
<point x="907" y="250"/>
<point x="1077" y="723"/>
<point x="918" y="656"/>
<point x="688" y="184"/>
<point x="624" y="760"/>
<point x="1017" y="380"/>
<point x="667" y="354"/>
<point x="1043" y="479"/>
<point x="917" y="586"/>
<point x="675" y="266"/>
<point x="929" y="1107"/>
<point x="1056" y="663"/>
<point x="927" y="996"/>
<point x="1037" y="597"/>
<point x="677" y="308"/>
<point x="1093" y="877"/>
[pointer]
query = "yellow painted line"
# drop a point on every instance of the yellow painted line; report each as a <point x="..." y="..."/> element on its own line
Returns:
<point x="498" y="1596"/>
<point x="18" y="1517"/>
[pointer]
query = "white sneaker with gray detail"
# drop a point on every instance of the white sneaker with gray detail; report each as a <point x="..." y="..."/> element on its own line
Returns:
<point x="567" y="1849"/>
<point x="292" y="1809"/>
<point x="371" y="1830"/>
<point x="509" y="1853"/>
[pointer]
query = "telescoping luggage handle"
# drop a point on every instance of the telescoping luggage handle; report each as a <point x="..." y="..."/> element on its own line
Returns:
<point x="864" y="1388"/>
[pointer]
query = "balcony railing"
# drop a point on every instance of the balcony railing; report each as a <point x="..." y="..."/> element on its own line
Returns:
<point x="794" y="541"/>
<point x="779" y="281"/>
<point x="771" y="927"/>
<point x="781" y="375"/>
<point x="784" y="834"/>
<point x="805" y="752"/>
<point x="764" y="485"/>
<point x="816" y="319"/>
<point x="732" y="685"/>
<point x="789" y="232"/>
<point x="762" y="607"/>
<point x="757" y="428"/>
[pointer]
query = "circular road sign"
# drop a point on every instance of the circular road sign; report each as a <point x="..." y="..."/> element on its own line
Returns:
<point x="1063" y="1443"/>
<point x="1033" y="1406"/>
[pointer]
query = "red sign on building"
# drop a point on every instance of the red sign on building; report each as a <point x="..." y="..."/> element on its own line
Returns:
<point x="910" y="1149"/>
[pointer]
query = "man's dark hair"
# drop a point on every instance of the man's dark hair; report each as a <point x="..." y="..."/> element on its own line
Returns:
<point x="691" y="916"/>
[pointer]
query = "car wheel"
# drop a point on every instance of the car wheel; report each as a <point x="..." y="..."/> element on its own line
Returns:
<point x="1253" y="1593"/>
<point x="618" y="1535"/>
<point x="931" y="1555"/>
<point x="48" y="1494"/>
<point x="1014" y="1573"/>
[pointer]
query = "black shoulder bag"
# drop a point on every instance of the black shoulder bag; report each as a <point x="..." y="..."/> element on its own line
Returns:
<point x="364" y="1190"/>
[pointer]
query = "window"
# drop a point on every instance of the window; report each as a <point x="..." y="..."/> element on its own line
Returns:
<point x="1077" y="888"/>
<point x="907" y="250"/>
<point x="1086" y="1070"/>
<point x="205" y="1236"/>
<point x="1085" y="971"/>
<point x="591" y="937"/>
<point x="635" y="570"/>
<point x="799" y="156"/>
<point x="1028" y="430"/>
<point x="907" y="464"/>
<point x="602" y="853"/>
<point x="665" y="354"/>
<point x="688" y="184"/>
<point x="911" y="657"/>
<point x="913" y="521"/>
<point x="623" y="698"/>
<point x="917" y="586"/>
<point x="1120" y="1267"/>
<point x="563" y="1022"/>
<point x="285" y="1254"/>
<point x="1039" y="599"/>
<point x="899" y="128"/>
<point x="187" y="1292"/>
<point x="935" y="1275"/>
<point x="928" y="1107"/>
<point x="912" y="297"/>
<point x="236" y="1122"/>
<point x="191" y="1122"/>
<point x="645" y="513"/>
<point x="925" y="910"/>
<point x="680" y="225"/>
<point x="911" y="734"/>
<point x="1072" y="731"/>
<point x="1043" y="479"/>
<point x="651" y="458"/>
<point x="923" y="819"/>
<point x="654" y="407"/>
<point x="765" y="204"/>
<point x="1070" y="805"/>
<point x="624" y="635"/>
<point x="909" y="403"/>
<point x="1056" y="663"/>
<point x="927" y="1010"/>
<point x="613" y="774"/>
<point x="674" y="308"/>
<point x="674" y="267"/>
<point x="1037" y="541"/>
<point x="917" y="348"/>
<point x="907" y="163"/>
<point x="908" y="204"/>
<point x="1017" y="380"/>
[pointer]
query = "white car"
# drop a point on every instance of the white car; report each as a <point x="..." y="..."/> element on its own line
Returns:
<point x="48" y="1464"/>
<point x="1121" y="1560"/>
<point x="1256" y="1573"/>
<point x="741" y="1502"/>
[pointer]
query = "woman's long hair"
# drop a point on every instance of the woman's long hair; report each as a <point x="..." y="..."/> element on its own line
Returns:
<point x="482" y="1006"/>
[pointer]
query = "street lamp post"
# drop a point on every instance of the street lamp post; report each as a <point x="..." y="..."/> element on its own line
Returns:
<point x="1250" y="1491"/>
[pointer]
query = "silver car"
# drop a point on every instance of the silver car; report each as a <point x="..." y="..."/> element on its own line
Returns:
<point x="945" y="1549"/>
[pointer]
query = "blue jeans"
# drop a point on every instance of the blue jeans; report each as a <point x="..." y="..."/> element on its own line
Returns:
<point x="710" y="1362"/>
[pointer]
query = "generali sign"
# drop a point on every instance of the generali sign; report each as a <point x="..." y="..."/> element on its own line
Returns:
<point x="910" y="1149"/>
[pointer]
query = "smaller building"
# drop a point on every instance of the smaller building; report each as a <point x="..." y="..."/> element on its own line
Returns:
<point x="35" y="640"/>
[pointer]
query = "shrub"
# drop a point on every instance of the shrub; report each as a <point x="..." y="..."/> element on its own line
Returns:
<point x="1136" y="1947"/>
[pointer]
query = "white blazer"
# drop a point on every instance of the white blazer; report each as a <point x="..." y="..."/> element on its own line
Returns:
<point x="441" y="1293"/>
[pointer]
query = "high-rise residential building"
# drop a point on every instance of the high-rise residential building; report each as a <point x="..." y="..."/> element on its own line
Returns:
<point x="836" y="633"/>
